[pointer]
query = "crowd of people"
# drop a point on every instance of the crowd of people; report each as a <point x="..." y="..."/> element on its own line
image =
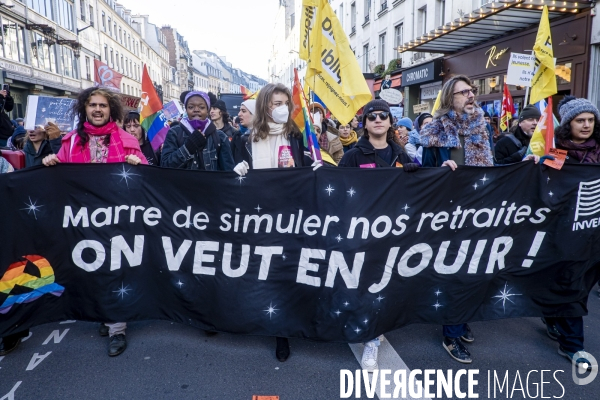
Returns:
<point x="263" y="135"/>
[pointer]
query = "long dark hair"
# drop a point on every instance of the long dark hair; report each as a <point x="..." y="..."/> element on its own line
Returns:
<point x="78" y="110"/>
<point x="391" y="133"/>
<point x="134" y="116"/>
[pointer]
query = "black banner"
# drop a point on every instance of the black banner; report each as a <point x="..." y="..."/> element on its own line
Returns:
<point x="334" y="255"/>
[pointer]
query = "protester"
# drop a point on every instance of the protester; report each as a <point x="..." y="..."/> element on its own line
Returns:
<point x="513" y="146"/>
<point x="239" y="143"/>
<point x="275" y="142"/>
<point x="40" y="143"/>
<point x="355" y="125"/>
<point x="457" y="136"/>
<point x="98" y="139"/>
<point x="348" y="136"/>
<point x="196" y="143"/>
<point x="6" y="127"/>
<point x="377" y="148"/>
<point x="236" y="123"/>
<point x="330" y="143"/>
<point x="578" y="134"/>
<point x="5" y="167"/>
<point x="17" y="140"/>
<point x="220" y="117"/>
<point x="131" y="125"/>
<point x="404" y="127"/>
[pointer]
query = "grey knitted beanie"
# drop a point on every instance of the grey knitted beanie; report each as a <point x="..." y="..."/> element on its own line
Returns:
<point x="571" y="106"/>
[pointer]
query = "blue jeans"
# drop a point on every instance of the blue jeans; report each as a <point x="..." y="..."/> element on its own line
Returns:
<point x="571" y="332"/>
<point x="454" y="331"/>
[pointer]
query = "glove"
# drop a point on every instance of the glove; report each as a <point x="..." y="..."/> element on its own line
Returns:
<point x="546" y="157"/>
<point x="52" y="130"/>
<point x="316" y="165"/>
<point x="195" y="142"/>
<point x="410" y="167"/>
<point x="242" y="168"/>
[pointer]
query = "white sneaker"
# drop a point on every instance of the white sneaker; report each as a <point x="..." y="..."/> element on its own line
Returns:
<point x="369" y="357"/>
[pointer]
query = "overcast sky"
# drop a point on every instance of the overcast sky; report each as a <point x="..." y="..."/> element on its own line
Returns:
<point x="240" y="30"/>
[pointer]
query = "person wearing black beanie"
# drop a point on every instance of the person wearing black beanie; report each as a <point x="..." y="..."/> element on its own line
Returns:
<point x="512" y="147"/>
<point x="220" y="117"/>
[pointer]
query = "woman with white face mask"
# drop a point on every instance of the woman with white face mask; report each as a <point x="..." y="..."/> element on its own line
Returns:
<point x="275" y="142"/>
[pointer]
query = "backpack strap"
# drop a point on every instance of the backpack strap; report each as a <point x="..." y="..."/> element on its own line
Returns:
<point x="516" y="141"/>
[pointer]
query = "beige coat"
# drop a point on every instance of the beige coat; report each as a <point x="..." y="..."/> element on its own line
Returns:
<point x="335" y="150"/>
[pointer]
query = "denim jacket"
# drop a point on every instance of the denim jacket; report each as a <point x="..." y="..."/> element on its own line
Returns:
<point x="215" y="158"/>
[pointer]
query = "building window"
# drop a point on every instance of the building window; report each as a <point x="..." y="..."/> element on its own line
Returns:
<point x="366" y="57"/>
<point x="292" y="20"/>
<point x="109" y="27"/>
<point x="103" y="21"/>
<point x="43" y="53"/>
<point x="65" y="14"/>
<point x="367" y="9"/>
<point x="422" y="21"/>
<point x="106" y="54"/>
<point x="88" y="69"/>
<point x="353" y="16"/>
<point x="43" y="7"/>
<point x="91" y="16"/>
<point x="115" y="29"/>
<point x="382" y="49"/>
<point x="441" y="12"/>
<point x="68" y="62"/>
<point x="120" y="36"/>
<point x="122" y="64"/>
<point x="399" y="35"/>
<point x="12" y="39"/>
<point x="82" y="9"/>
<point x="112" y="60"/>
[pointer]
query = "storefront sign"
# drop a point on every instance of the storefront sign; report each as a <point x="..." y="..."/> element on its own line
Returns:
<point x="19" y="69"/>
<point x="46" y="76"/>
<point x="391" y="96"/>
<point x="430" y="91"/>
<point x="520" y="69"/>
<point x="494" y="55"/>
<point x="419" y="108"/>
<point x="420" y="74"/>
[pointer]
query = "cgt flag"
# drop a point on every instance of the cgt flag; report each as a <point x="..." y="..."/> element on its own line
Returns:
<point x="542" y="139"/>
<point x="152" y="117"/>
<point x="333" y="72"/>
<point x="508" y="109"/>
<point x="543" y="83"/>
<point x="106" y="76"/>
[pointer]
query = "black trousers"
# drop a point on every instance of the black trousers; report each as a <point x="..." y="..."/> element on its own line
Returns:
<point x="15" y="336"/>
<point x="571" y="332"/>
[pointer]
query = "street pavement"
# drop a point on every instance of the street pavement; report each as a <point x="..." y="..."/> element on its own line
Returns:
<point x="170" y="361"/>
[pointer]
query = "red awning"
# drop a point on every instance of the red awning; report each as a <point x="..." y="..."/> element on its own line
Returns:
<point x="396" y="82"/>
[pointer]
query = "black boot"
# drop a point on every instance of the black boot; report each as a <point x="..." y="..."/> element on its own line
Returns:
<point x="11" y="342"/>
<point x="282" y="352"/>
<point x="117" y="345"/>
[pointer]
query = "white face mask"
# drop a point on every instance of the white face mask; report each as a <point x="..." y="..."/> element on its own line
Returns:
<point x="280" y="114"/>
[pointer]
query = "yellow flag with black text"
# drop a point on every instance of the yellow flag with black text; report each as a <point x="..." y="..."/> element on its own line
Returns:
<point x="333" y="72"/>
<point x="543" y="83"/>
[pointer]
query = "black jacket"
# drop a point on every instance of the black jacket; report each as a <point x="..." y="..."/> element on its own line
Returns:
<point x="238" y="147"/>
<point x="363" y="154"/>
<point x="33" y="158"/>
<point x="6" y="127"/>
<point x="152" y="156"/>
<point x="508" y="152"/>
<point x="229" y="130"/>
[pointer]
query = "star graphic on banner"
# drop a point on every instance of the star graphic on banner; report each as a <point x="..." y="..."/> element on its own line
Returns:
<point x="475" y="186"/>
<point x="240" y="179"/>
<point x="548" y="180"/>
<point x="437" y="305"/>
<point x="180" y="284"/>
<point x="451" y="201"/>
<point x="338" y="312"/>
<point x="329" y="190"/>
<point x="346" y="304"/>
<point x="338" y="238"/>
<point x="351" y="192"/>
<point x="437" y="292"/>
<point x="550" y="194"/>
<point x="379" y="298"/>
<point x="257" y="208"/>
<point x="357" y="330"/>
<point x="365" y="321"/>
<point x="284" y="257"/>
<point x="406" y="207"/>
<point x="271" y="310"/>
<point x="122" y="291"/>
<point x="126" y="175"/>
<point x="504" y="295"/>
<point x="32" y="207"/>
<point x="484" y="179"/>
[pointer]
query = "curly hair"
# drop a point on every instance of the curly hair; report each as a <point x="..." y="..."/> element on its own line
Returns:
<point x="261" y="117"/>
<point x="78" y="111"/>
<point x="564" y="132"/>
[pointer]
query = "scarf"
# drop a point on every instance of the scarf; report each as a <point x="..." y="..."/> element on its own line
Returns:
<point x="116" y="151"/>
<point x="323" y="141"/>
<point x="587" y="152"/>
<point x="445" y="130"/>
<point x="414" y="138"/>
<point x="262" y="154"/>
<point x="352" y="138"/>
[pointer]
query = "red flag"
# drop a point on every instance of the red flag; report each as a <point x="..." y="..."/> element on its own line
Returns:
<point x="106" y="76"/>
<point x="150" y="101"/>
<point x="508" y="109"/>
<point x="549" y="127"/>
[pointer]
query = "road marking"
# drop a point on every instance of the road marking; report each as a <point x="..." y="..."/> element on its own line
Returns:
<point x="70" y="321"/>
<point x="56" y="336"/>
<point x="11" y="395"/>
<point x="36" y="360"/>
<point x="387" y="358"/>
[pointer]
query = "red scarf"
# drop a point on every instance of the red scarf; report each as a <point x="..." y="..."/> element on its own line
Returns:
<point x="116" y="151"/>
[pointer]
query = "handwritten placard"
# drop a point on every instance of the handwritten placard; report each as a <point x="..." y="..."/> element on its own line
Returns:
<point x="44" y="109"/>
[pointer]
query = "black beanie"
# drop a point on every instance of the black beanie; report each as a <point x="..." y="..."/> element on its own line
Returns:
<point x="375" y="105"/>
<point x="530" y="111"/>
<point x="220" y="104"/>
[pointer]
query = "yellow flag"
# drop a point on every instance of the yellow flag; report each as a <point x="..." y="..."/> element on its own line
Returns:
<point x="333" y="72"/>
<point x="307" y="22"/>
<point x="543" y="83"/>
<point x="436" y="105"/>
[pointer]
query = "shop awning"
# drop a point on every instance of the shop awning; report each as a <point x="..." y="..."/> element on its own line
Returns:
<point x="488" y="22"/>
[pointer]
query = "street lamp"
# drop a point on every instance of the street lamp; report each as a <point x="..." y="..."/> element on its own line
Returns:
<point x="7" y="4"/>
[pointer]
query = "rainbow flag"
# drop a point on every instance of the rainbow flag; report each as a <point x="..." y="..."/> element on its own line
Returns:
<point x="152" y="117"/>
<point x="302" y="119"/>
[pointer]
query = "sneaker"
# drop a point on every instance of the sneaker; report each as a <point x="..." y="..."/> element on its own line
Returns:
<point x="551" y="330"/>
<point x="468" y="335"/>
<point x="117" y="345"/>
<point x="9" y="344"/>
<point x="579" y="359"/>
<point x="103" y="330"/>
<point x="369" y="357"/>
<point x="457" y="350"/>
<point x="282" y="351"/>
